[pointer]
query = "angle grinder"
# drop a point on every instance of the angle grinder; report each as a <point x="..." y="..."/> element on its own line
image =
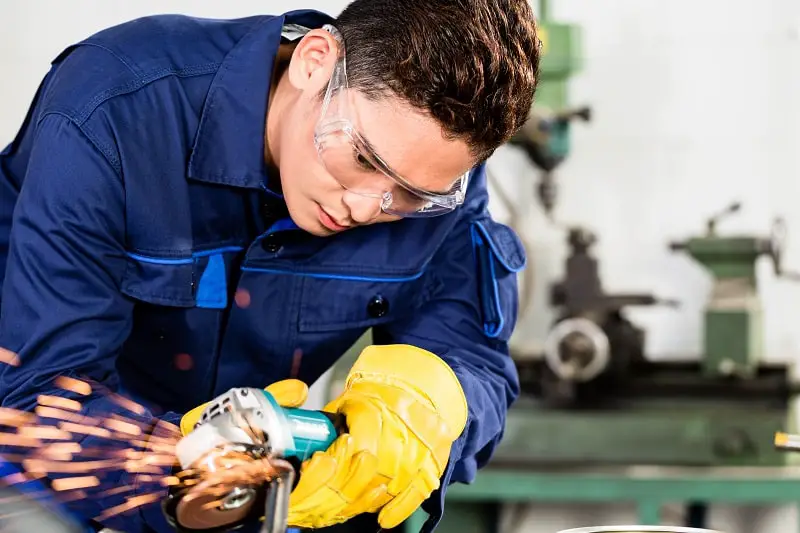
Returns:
<point x="240" y="461"/>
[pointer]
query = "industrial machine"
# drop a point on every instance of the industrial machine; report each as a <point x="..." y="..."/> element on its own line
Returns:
<point x="593" y="397"/>
<point x="545" y="138"/>
<point x="239" y="463"/>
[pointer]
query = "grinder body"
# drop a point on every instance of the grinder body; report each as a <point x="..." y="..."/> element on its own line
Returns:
<point x="246" y="422"/>
<point x="290" y="433"/>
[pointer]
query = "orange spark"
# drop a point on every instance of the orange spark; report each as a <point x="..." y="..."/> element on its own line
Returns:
<point x="135" y="467"/>
<point x="117" y="490"/>
<point x="21" y="441"/>
<point x="72" y="496"/>
<point x="169" y="427"/>
<point x="73" y="385"/>
<point x="122" y="427"/>
<point x="242" y="298"/>
<point x="131" y="503"/>
<point x="59" y="402"/>
<point x="296" y="357"/>
<point x="170" y="481"/>
<point x="183" y="361"/>
<point x="63" y="447"/>
<point x="8" y="357"/>
<point x="40" y="465"/>
<point x="60" y="414"/>
<point x="13" y="417"/>
<point x="75" y="483"/>
<point x="13" y="479"/>
<point x="125" y="403"/>
<point x="84" y="429"/>
<point x="44" y="432"/>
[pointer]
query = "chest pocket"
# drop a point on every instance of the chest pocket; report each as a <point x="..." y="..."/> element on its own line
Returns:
<point x="160" y="281"/>
<point x="334" y="302"/>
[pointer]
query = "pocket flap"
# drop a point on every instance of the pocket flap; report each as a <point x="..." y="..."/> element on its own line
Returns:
<point x="332" y="303"/>
<point x="160" y="281"/>
<point x="504" y="243"/>
<point x="499" y="255"/>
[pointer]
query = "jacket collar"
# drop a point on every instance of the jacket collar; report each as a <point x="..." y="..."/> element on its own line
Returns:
<point x="229" y="146"/>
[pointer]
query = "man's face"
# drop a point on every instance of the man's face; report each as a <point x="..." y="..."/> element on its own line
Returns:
<point x="411" y="143"/>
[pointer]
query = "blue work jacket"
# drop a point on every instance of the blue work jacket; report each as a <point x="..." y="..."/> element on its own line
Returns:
<point x="141" y="247"/>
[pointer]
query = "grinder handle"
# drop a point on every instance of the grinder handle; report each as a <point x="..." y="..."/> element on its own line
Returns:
<point x="312" y="431"/>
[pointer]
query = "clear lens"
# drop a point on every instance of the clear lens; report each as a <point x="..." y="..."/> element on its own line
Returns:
<point x="360" y="173"/>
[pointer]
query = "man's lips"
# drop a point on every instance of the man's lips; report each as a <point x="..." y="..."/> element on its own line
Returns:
<point x="329" y="222"/>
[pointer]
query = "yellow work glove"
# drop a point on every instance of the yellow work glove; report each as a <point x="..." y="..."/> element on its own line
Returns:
<point x="404" y="408"/>
<point x="288" y="393"/>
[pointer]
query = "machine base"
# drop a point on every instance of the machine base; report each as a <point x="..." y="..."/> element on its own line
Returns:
<point x="673" y="432"/>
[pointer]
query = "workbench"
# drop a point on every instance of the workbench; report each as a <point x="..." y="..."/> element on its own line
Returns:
<point x="476" y="508"/>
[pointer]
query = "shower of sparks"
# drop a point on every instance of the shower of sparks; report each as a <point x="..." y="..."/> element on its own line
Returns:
<point x="48" y="444"/>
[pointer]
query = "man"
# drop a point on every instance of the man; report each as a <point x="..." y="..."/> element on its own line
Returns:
<point x="194" y="205"/>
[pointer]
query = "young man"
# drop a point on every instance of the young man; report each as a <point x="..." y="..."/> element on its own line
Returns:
<point x="194" y="205"/>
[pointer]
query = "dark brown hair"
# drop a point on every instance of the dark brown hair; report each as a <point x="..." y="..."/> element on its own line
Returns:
<point x="471" y="64"/>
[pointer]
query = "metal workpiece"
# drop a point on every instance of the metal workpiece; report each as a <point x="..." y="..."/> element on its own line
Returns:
<point x="638" y="529"/>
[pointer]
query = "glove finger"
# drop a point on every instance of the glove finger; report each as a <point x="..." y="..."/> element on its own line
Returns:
<point x="406" y="503"/>
<point x="289" y="392"/>
<point x="415" y="457"/>
<point x="346" y="475"/>
<point x="324" y="508"/>
<point x="378" y="431"/>
<point x="318" y="471"/>
<point x="347" y="484"/>
<point x="370" y="501"/>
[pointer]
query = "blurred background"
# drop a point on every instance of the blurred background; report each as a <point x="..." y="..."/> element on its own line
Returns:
<point x="650" y="345"/>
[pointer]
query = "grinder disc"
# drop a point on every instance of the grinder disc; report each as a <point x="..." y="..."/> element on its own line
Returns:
<point x="225" y="489"/>
<point x="212" y="508"/>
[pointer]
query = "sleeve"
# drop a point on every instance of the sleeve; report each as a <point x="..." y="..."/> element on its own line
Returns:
<point x="468" y="323"/>
<point x="61" y="310"/>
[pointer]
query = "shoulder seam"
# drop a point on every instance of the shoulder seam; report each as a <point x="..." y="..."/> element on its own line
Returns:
<point x="142" y="81"/>
<point x="108" y="155"/>
<point x="82" y="114"/>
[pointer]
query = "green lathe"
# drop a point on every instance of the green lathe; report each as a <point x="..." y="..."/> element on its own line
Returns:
<point x="593" y="398"/>
<point x="733" y="318"/>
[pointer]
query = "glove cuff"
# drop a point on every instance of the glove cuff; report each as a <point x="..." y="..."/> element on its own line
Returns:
<point x="421" y="372"/>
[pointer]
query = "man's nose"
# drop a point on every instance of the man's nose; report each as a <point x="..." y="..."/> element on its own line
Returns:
<point x="363" y="209"/>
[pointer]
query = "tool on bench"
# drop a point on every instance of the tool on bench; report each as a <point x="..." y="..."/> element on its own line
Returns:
<point x="239" y="463"/>
<point x="787" y="442"/>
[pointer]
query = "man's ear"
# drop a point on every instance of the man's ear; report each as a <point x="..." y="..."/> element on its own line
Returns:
<point x="313" y="61"/>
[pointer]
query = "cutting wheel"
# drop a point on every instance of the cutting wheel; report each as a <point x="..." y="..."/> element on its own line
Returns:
<point x="225" y="488"/>
<point x="209" y="508"/>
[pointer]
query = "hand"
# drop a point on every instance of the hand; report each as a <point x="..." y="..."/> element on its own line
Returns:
<point x="404" y="409"/>
<point x="288" y="393"/>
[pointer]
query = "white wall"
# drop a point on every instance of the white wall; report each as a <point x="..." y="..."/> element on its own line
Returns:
<point x="694" y="105"/>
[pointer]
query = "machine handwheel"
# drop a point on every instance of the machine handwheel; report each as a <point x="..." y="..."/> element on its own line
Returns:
<point x="586" y="344"/>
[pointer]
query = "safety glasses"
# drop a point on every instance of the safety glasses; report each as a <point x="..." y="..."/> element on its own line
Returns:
<point x="349" y="158"/>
